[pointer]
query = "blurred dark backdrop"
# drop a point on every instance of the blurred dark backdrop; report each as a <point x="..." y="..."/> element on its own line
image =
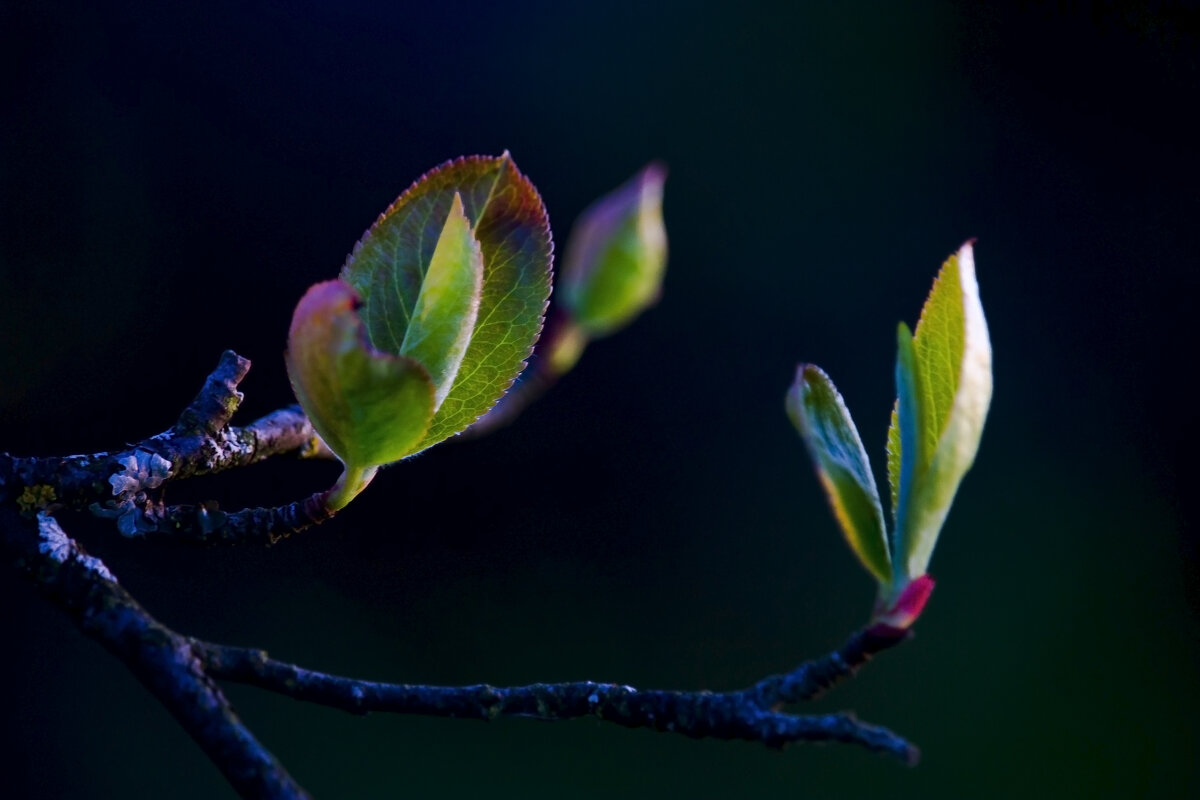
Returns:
<point x="174" y="176"/>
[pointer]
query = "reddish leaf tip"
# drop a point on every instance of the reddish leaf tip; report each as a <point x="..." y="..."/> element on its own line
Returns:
<point x="322" y="301"/>
<point x="654" y="172"/>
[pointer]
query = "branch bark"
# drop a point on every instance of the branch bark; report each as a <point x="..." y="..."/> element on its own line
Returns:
<point x="199" y="444"/>
<point x="750" y="714"/>
<point x="127" y="486"/>
<point x="161" y="659"/>
<point x="181" y="672"/>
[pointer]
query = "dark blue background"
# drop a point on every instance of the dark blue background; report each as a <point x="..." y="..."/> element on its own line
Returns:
<point x="173" y="178"/>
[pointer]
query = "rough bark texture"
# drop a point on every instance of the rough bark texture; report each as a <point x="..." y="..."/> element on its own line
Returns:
<point x="751" y="714"/>
<point x="181" y="672"/>
<point x="160" y="658"/>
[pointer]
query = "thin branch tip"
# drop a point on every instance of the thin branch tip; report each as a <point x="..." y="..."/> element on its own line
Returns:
<point x="750" y="714"/>
<point x="218" y="398"/>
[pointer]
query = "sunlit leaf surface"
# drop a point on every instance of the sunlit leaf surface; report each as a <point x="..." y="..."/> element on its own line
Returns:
<point x="443" y="319"/>
<point x="388" y="268"/>
<point x="951" y="377"/>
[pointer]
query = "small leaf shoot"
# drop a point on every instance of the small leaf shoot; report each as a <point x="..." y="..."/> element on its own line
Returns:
<point x="616" y="257"/>
<point x="819" y="414"/>
<point x="944" y="388"/>
<point x="951" y="373"/>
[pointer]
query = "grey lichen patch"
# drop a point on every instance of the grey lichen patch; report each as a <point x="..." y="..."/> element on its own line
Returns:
<point x="124" y="513"/>
<point x="130" y="521"/>
<point x="143" y="470"/>
<point x="226" y="447"/>
<point x="135" y="516"/>
<point x="55" y="543"/>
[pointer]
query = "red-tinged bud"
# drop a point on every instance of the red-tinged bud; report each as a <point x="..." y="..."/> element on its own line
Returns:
<point x="908" y="606"/>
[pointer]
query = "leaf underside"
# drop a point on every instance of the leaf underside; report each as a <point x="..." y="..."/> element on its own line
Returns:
<point x="510" y="224"/>
<point x="820" y="415"/>
<point x="369" y="407"/>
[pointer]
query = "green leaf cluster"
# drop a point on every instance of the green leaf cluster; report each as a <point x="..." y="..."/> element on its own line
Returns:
<point x="944" y="388"/>
<point x="435" y="312"/>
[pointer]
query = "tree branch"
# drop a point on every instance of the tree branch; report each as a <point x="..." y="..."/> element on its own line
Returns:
<point x="160" y="658"/>
<point x="813" y="678"/>
<point x="126" y="486"/>
<point x="181" y="671"/>
<point x="207" y="524"/>
<point x="199" y="444"/>
<point x="218" y="399"/>
<point x="751" y="714"/>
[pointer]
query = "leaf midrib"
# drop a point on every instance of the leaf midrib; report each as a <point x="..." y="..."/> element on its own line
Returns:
<point x="422" y="267"/>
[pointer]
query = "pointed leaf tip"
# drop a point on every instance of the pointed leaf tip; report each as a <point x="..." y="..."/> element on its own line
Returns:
<point x="820" y="415"/>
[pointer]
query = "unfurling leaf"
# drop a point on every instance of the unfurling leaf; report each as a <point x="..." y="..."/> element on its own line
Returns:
<point x="436" y="310"/>
<point x="818" y="412"/>
<point x="441" y="324"/>
<point x="616" y="255"/>
<point x="944" y="381"/>
<point x="417" y="266"/>
<point x="944" y="387"/>
<point x="369" y="407"/>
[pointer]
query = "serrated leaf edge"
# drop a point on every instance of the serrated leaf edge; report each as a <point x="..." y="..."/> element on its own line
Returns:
<point x="542" y="230"/>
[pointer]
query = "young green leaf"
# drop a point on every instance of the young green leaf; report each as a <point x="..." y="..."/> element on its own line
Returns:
<point x="369" y="407"/>
<point x="908" y="443"/>
<point x="616" y="255"/>
<point x="819" y="414"/>
<point x="944" y="378"/>
<point x="390" y="266"/>
<point x="893" y="455"/>
<point x="447" y="306"/>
